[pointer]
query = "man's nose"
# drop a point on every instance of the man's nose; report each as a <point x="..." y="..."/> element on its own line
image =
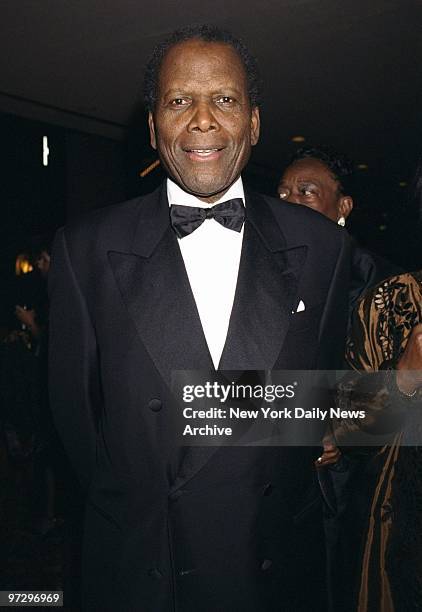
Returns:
<point x="203" y="118"/>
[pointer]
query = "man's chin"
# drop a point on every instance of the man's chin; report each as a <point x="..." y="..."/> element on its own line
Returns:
<point x="208" y="191"/>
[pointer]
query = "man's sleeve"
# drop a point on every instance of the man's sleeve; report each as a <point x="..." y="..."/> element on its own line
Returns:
<point x="73" y="375"/>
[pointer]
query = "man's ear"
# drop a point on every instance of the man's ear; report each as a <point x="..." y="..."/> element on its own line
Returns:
<point x="255" y="125"/>
<point x="345" y="206"/>
<point x="152" y="137"/>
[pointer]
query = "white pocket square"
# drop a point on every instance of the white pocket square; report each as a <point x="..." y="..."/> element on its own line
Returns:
<point x="300" y="306"/>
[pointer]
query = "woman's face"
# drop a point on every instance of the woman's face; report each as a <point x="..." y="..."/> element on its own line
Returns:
<point x="309" y="182"/>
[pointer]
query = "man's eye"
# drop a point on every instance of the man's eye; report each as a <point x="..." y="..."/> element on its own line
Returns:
<point x="225" y="100"/>
<point x="283" y="194"/>
<point x="179" y="102"/>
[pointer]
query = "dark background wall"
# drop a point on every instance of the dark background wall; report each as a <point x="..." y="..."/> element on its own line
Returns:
<point x="84" y="171"/>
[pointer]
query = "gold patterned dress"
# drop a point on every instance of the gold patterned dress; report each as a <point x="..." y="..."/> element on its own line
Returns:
<point x="391" y="562"/>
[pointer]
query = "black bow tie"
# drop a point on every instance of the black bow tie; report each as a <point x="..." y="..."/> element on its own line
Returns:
<point x="186" y="219"/>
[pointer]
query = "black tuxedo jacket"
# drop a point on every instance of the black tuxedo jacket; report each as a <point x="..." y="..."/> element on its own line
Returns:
<point x="227" y="529"/>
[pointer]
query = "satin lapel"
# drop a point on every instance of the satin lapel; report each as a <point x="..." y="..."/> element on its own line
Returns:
<point x="155" y="289"/>
<point x="266" y="291"/>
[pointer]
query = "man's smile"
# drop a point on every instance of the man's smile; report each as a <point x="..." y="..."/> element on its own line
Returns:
<point x="203" y="153"/>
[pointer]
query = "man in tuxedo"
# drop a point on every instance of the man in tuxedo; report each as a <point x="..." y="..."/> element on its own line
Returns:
<point x="199" y="275"/>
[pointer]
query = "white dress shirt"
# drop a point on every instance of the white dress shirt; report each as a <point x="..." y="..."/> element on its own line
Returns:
<point x="211" y="255"/>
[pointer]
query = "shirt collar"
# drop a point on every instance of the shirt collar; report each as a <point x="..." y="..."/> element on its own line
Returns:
<point x="176" y="195"/>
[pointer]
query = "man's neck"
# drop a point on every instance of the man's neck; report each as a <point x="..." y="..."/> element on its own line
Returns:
<point x="176" y="195"/>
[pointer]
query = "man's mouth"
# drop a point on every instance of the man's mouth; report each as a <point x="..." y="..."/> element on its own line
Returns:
<point x="203" y="153"/>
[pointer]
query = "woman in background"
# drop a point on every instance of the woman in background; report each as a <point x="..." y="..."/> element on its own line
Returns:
<point x="386" y="333"/>
<point x="322" y="178"/>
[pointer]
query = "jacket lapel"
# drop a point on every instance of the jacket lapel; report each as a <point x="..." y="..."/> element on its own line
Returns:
<point x="155" y="289"/>
<point x="266" y="291"/>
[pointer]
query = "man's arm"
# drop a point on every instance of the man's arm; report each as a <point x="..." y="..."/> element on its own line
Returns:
<point x="73" y="375"/>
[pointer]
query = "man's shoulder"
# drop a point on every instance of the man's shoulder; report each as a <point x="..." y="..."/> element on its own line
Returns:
<point x="301" y="222"/>
<point x="297" y="212"/>
<point x="115" y="221"/>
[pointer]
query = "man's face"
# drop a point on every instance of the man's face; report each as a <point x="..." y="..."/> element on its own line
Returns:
<point x="309" y="182"/>
<point x="203" y="125"/>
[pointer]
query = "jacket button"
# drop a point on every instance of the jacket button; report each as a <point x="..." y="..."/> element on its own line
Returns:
<point x="268" y="489"/>
<point x="266" y="564"/>
<point x="155" y="573"/>
<point x="155" y="405"/>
